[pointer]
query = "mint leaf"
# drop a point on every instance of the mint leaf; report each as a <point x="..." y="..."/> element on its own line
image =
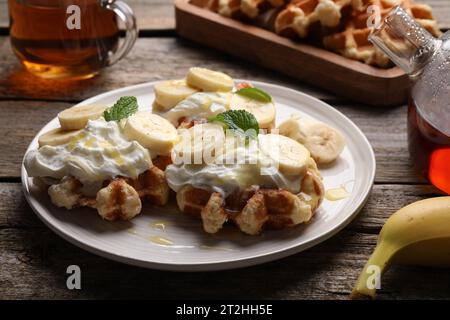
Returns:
<point x="240" y="121"/>
<point x="123" y="108"/>
<point x="255" y="93"/>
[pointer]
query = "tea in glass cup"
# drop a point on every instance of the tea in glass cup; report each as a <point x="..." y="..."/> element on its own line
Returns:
<point x="69" y="38"/>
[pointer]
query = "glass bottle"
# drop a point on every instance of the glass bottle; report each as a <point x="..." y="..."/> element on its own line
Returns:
<point x="427" y="62"/>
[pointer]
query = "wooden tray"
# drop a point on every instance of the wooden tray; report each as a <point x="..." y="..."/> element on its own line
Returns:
<point x="342" y="76"/>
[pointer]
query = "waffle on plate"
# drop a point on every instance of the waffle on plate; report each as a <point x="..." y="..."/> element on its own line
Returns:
<point x="114" y="159"/>
<point x="255" y="208"/>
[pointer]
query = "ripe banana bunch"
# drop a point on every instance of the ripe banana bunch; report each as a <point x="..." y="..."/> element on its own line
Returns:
<point x="198" y="142"/>
<point x="264" y="112"/>
<point x="418" y="234"/>
<point x="288" y="155"/>
<point x="169" y="93"/>
<point x="152" y="132"/>
<point x="77" y="117"/>
<point x="324" y="142"/>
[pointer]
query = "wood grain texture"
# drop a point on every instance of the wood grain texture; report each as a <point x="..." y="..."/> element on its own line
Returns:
<point x="33" y="262"/>
<point x="385" y="129"/>
<point x="150" y="14"/>
<point x="4" y="19"/>
<point x="159" y="14"/>
<point x="19" y="124"/>
<point x="151" y="59"/>
<point x="441" y="11"/>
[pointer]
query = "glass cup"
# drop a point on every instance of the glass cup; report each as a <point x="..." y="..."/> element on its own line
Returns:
<point x="69" y="39"/>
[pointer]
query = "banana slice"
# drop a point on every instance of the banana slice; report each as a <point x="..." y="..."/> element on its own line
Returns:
<point x="290" y="156"/>
<point x="151" y="131"/>
<point x="77" y="117"/>
<point x="264" y="112"/>
<point x="324" y="142"/>
<point x="169" y="93"/>
<point x="199" y="106"/>
<point x="57" y="137"/>
<point x="199" y="144"/>
<point x="209" y="80"/>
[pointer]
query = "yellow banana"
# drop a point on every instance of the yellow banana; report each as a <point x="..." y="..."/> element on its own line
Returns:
<point x="418" y="234"/>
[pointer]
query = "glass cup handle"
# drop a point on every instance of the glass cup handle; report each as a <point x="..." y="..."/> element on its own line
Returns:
<point x="125" y="13"/>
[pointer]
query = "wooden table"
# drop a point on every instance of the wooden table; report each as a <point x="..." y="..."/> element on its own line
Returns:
<point x="33" y="260"/>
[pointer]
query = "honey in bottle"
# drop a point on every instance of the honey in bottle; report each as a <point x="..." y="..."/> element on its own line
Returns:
<point x="427" y="62"/>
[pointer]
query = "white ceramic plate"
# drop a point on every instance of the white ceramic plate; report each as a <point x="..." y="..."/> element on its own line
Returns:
<point x="141" y="241"/>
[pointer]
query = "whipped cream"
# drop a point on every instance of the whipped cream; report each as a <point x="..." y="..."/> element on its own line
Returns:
<point x="99" y="152"/>
<point x="200" y="105"/>
<point x="225" y="177"/>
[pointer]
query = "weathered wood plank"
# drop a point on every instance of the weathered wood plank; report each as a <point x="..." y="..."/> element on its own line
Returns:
<point x="385" y="129"/>
<point x="151" y="59"/>
<point x="441" y="11"/>
<point x="150" y="14"/>
<point x="159" y="14"/>
<point x="31" y="258"/>
<point x="31" y="255"/>
<point x="384" y="200"/>
<point x="33" y="264"/>
<point x="18" y="125"/>
<point x="4" y="18"/>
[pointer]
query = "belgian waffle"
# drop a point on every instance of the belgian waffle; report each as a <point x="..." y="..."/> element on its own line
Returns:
<point x="243" y="9"/>
<point x="119" y="198"/>
<point x="299" y="16"/>
<point x="256" y="208"/>
<point x="353" y="41"/>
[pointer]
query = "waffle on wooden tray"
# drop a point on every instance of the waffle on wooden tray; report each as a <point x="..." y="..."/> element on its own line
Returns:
<point x="337" y="25"/>
<point x="353" y="41"/>
<point x="299" y="16"/>
<point x="243" y="9"/>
